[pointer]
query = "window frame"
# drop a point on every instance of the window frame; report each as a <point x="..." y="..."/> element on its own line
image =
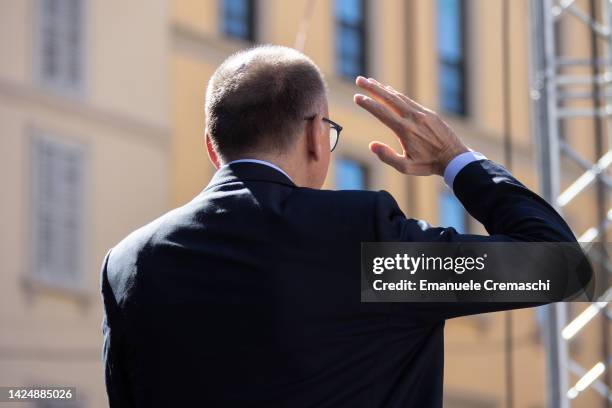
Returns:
<point x="59" y="85"/>
<point x="251" y="21"/>
<point x="76" y="283"/>
<point x="461" y="66"/>
<point x="362" y="30"/>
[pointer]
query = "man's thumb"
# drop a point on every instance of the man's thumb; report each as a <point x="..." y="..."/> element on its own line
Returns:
<point x="387" y="155"/>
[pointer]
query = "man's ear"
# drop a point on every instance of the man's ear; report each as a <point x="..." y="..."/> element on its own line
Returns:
<point x="314" y="138"/>
<point x="212" y="154"/>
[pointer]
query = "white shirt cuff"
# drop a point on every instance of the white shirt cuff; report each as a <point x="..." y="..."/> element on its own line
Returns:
<point x="458" y="163"/>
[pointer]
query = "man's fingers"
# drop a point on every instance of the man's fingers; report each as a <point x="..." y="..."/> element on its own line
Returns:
<point x="383" y="95"/>
<point x="414" y="104"/>
<point x="379" y="111"/>
<point x="411" y="103"/>
<point x="387" y="155"/>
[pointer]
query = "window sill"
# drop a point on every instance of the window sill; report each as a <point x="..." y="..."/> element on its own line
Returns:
<point x="34" y="286"/>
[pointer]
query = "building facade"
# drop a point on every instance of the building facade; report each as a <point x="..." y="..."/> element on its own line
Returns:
<point x="85" y="124"/>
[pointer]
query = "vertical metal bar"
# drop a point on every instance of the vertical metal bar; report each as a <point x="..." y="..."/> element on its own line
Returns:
<point x="546" y="128"/>
<point x="558" y="359"/>
<point x="562" y="354"/>
<point x="552" y="135"/>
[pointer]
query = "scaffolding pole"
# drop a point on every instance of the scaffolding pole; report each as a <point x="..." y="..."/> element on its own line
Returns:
<point x="554" y="92"/>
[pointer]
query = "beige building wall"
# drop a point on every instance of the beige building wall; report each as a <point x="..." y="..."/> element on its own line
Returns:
<point x="50" y="333"/>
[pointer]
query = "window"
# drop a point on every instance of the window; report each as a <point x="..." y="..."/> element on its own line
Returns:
<point x="238" y="19"/>
<point x="350" y="175"/>
<point x="350" y="38"/>
<point x="60" y="44"/>
<point x="57" y="204"/>
<point x="451" y="212"/>
<point x="451" y="56"/>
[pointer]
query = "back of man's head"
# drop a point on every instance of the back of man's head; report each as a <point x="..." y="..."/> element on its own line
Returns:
<point x="257" y="100"/>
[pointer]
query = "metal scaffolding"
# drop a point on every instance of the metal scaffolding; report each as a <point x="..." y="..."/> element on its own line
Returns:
<point x="572" y="93"/>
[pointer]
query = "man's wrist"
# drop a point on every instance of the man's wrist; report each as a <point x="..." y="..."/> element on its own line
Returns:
<point x="457" y="163"/>
<point x="448" y="155"/>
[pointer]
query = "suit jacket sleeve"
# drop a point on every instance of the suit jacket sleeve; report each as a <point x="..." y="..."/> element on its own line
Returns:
<point x="116" y="377"/>
<point x="508" y="210"/>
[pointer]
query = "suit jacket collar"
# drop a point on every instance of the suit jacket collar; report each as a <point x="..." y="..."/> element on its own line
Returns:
<point x="248" y="171"/>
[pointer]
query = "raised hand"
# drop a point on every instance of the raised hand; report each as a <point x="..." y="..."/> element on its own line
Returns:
<point x="428" y="143"/>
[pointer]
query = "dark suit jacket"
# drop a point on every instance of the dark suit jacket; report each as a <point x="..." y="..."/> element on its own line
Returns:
<point x="249" y="295"/>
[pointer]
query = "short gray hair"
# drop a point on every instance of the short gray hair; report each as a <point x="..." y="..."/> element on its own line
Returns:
<point x="258" y="98"/>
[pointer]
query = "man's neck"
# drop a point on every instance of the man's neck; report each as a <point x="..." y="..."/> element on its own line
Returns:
<point x="262" y="162"/>
<point x="285" y="163"/>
